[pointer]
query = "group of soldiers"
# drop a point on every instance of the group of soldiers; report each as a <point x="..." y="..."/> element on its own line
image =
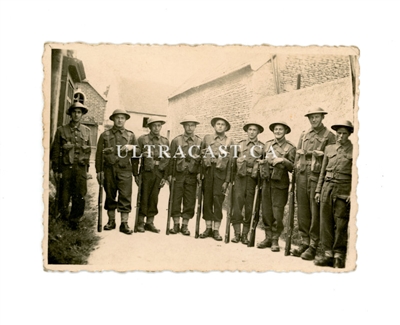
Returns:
<point x="321" y="162"/>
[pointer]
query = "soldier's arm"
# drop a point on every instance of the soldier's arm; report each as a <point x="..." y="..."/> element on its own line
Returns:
<point x="288" y="162"/>
<point x="99" y="154"/>
<point x="322" y="174"/>
<point x="55" y="152"/>
<point x="135" y="161"/>
<point x="299" y="146"/>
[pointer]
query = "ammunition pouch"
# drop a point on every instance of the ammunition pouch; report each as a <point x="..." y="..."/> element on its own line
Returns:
<point x="316" y="161"/>
<point x="264" y="171"/>
<point x="241" y="166"/>
<point x="222" y="163"/>
<point x="193" y="166"/>
<point x="254" y="171"/>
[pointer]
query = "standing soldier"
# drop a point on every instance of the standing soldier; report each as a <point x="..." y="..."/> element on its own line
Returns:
<point x="335" y="182"/>
<point x="70" y="154"/>
<point x="279" y="159"/>
<point x="308" y="167"/>
<point x="114" y="153"/>
<point x="154" y="173"/>
<point x="186" y="171"/>
<point x="216" y="175"/>
<point x="246" y="168"/>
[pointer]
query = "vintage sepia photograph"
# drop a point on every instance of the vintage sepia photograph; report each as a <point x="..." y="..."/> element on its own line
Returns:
<point x="200" y="158"/>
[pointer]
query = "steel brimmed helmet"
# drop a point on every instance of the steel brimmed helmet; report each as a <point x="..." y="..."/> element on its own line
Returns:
<point x="77" y="105"/>
<point x="216" y="118"/>
<point x="260" y="127"/>
<point x="120" y="111"/>
<point x="316" y="111"/>
<point x="152" y="120"/>
<point x="345" y="124"/>
<point x="272" y="126"/>
<point x="189" y="119"/>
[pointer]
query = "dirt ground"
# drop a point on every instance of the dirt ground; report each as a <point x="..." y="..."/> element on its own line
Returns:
<point x="156" y="252"/>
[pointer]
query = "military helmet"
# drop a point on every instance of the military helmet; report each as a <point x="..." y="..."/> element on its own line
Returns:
<point x="260" y="127"/>
<point x="272" y="126"/>
<point x="119" y="111"/>
<point x="77" y="105"/>
<point x="344" y="123"/>
<point x="216" y="118"/>
<point x="189" y="119"/>
<point x="316" y="111"/>
<point x="152" y="120"/>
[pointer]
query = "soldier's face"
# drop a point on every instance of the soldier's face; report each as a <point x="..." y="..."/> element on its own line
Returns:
<point x="155" y="128"/>
<point x="342" y="135"/>
<point x="279" y="131"/>
<point x="119" y="120"/>
<point x="252" y="131"/>
<point x="220" y="126"/>
<point x="76" y="115"/>
<point x="189" y="127"/>
<point x="315" y="120"/>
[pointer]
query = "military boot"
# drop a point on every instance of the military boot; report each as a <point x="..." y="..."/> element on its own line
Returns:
<point x="324" y="261"/>
<point x="207" y="233"/>
<point x="236" y="228"/>
<point x="149" y="226"/>
<point x="309" y="254"/>
<point x="266" y="242"/>
<point x="275" y="245"/>
<point x="339" y="263"/>
<point x="185" y="231"/>
<point x="216" y="235"/>
<point x="140" y="226"/>
<point x="124" y="228"/>
<point x="176" y="229"/>
<point x="244" y="239"/>
<point x="111" y="220"/>
<point x="300" y="250"/>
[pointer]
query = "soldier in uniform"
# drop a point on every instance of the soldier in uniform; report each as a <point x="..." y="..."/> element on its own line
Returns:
<point x="216" y="175"/>
<point x="154" y="173"/>
<point x="70" y="154"/>
<point x="310" y="151"/>
<point x="249" y="150"/>
<point x="186" y="171"/>
<point x="115" y="166"/>
<point x="333" y="194"/>
<point x="279" y="159"/>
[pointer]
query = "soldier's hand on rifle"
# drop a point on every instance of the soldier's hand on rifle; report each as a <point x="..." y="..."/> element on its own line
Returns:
<point x="100" y="177"/>
<point x="162" y="182"/>
<point x="277" y="161"/>
<point x="317" y="197"/>
<point x="68" y="146"/>
<point x="199" y="178"/>
<point x="136" y="179"/>
<point x="127" y="147"/>
<point x="225" y="187"/>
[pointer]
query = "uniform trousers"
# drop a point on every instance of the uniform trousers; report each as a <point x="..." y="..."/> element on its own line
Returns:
<point x="244" y="192"/>
<point x="273" y="205"/>
<point x="184" y="198"/>
<point x="118" y="181"/>
<point x="73" y="187"/>
<point x="308" y="211"/>
<point x="335" y="212"/>
<point x="213" y="197"/>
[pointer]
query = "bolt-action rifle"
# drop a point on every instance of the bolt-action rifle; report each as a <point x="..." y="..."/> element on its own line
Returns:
<point x="255" y="215"/>
<point x="171" y="195"/>
<point x="199" y="202"/>
<point x="290" y="220"/>
<point x="229" y="212"/>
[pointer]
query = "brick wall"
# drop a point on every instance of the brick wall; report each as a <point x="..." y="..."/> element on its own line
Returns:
<point x="251" y="95"/>
<point x="94" y="102"/>
<point x="314" y="69"/>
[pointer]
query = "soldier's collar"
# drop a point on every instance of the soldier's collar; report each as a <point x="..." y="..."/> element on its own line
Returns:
<point x="318" y="130"/>
<point x="152" y="136"/>
<point x="187" y="137"/>
<point x="116" y="129"/>
<point x="281" y="142"/>
<point x="219" y="136"/>
<point x="77" y="126"/>
<point x="344" y="145"/>
<point x="251" y="141"/>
